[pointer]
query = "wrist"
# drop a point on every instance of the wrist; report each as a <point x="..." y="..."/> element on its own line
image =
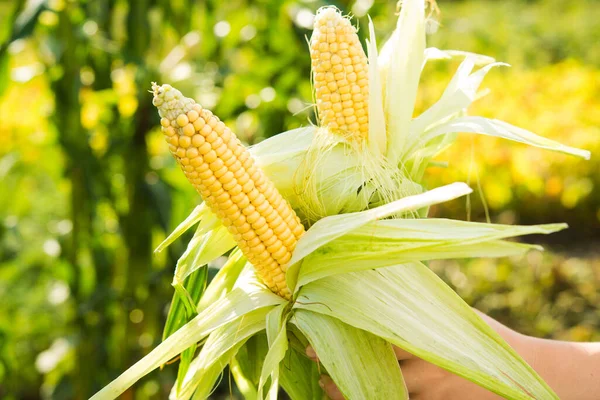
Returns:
<point x="561" y="364"/>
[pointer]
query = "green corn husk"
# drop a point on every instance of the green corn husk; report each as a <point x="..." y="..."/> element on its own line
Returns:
<point x="357" y="274"/>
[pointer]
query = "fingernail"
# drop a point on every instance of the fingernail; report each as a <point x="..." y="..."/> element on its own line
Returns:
<point x="310" y="352"/>
<point x="322" y="384"/>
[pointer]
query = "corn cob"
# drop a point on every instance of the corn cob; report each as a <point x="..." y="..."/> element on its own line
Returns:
<point x="221" y="169"/>
<point x="340" y="75"/>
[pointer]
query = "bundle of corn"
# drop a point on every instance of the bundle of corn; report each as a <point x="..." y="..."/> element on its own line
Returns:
<point x="282" y="287"/>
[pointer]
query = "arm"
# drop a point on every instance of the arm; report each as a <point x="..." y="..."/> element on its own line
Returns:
<point x="571" y="369"/>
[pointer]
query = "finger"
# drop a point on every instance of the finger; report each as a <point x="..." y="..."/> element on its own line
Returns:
<point x="310" y="352"/>
<point x="402" y="355"/>
<point x="330" y="388"/>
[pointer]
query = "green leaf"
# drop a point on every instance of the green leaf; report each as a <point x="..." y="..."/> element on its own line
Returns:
<point x="225" y="279"/>
<point x="237" y="303"/>
<point x="392" y="242"/>
<point x="183" y="309"/>
<point x="278" y="345"/>
<point x="195" y="216"/>
<point x="330" y="228"/>
<point x="281" y="157"/>
<point x="282" y="147"/>
<point x="494" y="127"/>
<point x="409" y="306"/>
<point x="244" y="385"/>
<point x="459" y="94"/>
<point x="219" y="349"/>
<point x="250" y="360"/>
<point x="4" y="72"/>
<point x="179" y="312"/>
<point x="299" y="377"/>
<point x="362" y="365"/>
<point x="202" y="249"/>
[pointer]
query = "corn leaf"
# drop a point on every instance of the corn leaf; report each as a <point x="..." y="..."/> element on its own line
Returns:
<point x="299" y="377"/>
<point x="249" y="361"/>
<point x="420" y="159"/>
<point x="283" y="146"/>
<point x="362" y="365"/>
<point x="278" y="346"/>
<point x="433" y="53"/>
<point x="195" y="216"/>
<point x="281" y="156"/>
<point x="203" y="248"/>
<point x="377" y="133"/>
<point x="244" y="385"/>
<point x="459" y="94"/>
<point x="232" y="306"/>
<point x="326" y="180"/>
<point x="409" y="306"/>
<point x="183" y="309"/>
<point x="494" y="127"/>
<point x="330" y="228"/>
<point x="179" y="313"/>
<point x="403" y="73"/>
<point x="337" y="192"/>
<point x="211" y="375"/>
<point x="219" y="349"/>
<point x="392" y="242"/>
<point x="225" y="279"/>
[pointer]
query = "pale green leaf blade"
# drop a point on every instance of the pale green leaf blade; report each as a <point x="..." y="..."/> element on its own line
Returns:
<point x="433" y="53"/>
<point x="436" y="229"/>
<point x="361" y="364"/>
<point x="377" y="133"/>
<point x="330" y="228"/>
<point x="274" y="356"/>
<point x="392" y="242"/>
<point x="232" y="306"/>
<point x="278" y="346"/>
<point x="203" y="248"/>
<point x="409" y="306"/>
<point x="458" y="95"/>
<point x="282" y="156"/>
<point x="217" y="351"/>
<point x="494" y="127"/>
<point x="225" y="279"/>
<point x="212" y="374"/>
<point x="282" y="147"/>
<point x="196" y="215"/>
<point x="403" y="75"/>
<point x="321" y="265"/>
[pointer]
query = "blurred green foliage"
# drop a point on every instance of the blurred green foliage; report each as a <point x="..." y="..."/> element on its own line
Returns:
<point x="88" y="188"/>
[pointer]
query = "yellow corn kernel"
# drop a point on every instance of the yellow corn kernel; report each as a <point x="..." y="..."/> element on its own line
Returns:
<point x="221" y="169"/>
<point x="339" y="66"/>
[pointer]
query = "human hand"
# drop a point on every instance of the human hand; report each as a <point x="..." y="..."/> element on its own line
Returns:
<point x="571" y="369"/>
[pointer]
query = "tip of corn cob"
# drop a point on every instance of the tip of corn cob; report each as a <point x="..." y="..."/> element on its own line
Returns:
<point x="340" y="70"/>
<point x="221" y="169"/>
<point x="169" y="101"/>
